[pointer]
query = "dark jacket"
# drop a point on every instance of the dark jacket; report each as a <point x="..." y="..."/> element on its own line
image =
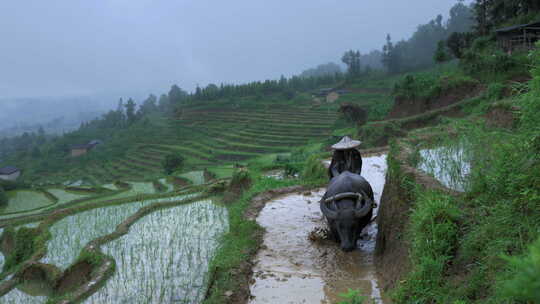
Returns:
<point x="345" y="160"/>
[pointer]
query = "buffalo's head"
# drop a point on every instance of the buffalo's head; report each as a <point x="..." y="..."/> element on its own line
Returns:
<point x="345" y="220"/>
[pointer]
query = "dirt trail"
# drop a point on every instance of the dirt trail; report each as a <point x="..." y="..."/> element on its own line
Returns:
<point x="291" y="269"/>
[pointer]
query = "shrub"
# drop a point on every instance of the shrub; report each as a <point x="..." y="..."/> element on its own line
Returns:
<point x="525" y="284"/>
<point x="24" y="246"/>
<point x="495" y="91"/>
<point x="314" y="169"/>
<point x="172" y="162"/>
<point x="3" y="196"/>
<point x="352" y="296"/>
<point x="354" y="113"/>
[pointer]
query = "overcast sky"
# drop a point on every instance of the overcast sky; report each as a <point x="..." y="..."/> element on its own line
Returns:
<point x="86" y="47"/>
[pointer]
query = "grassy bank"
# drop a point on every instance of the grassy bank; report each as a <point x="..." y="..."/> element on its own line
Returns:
<point x="475" y="248"/>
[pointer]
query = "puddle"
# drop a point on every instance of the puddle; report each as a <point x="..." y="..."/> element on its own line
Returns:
<point x="291" y="269"/>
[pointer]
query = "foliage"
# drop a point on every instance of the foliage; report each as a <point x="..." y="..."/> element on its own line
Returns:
<point x="457" y="43"/>
<point x="525" y="283"/>
<point x="322" y="70"/>
<point x="352" y="60"/>
<point x="433" y="236"/>
<point x="3" y="196"/>
<point x="172" y="162"/>
<point x="418" y="51"/>
<point x="24" y="247"/>
<point x="431" y="84"/>
<point x="352" y="297"/>
<point x="489" y="250"/>
<point x="489" y="14"/>
<point x="314" y="169"/>
<point x="354" y="113"/>
<point x="441" y="54"/>
<point x="485" y="61"/>
<point x="495" y="91"/>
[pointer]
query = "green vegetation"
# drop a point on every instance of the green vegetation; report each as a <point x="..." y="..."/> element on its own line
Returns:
<point x="25" y="242"/>
<point x="469" y="237"/>
<point x="3" y="197"/>
<point x="525" y="283"/>
<point x="172" y="162"/>
<point x="352" y="297"/>
<point x="432" y="84"/>
<point x="26" y="200"/>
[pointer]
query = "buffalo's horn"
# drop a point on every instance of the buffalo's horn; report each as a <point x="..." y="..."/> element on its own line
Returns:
<point x="329" y="213"/>
<point x="361" y="211"/>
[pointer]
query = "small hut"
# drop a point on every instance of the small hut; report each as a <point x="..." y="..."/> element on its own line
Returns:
<point x="10" y="173"/>
<point x="518" y="37"/>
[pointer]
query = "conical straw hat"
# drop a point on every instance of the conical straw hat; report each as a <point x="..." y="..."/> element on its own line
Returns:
<point x="346" y="143"/>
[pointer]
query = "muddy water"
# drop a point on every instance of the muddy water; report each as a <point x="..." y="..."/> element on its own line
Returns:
<point x="292" y="269"/>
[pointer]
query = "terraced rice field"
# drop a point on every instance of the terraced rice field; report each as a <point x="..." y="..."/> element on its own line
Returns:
<point x="25" y="200"/>
<point x="164" y="258"/>
<point x="196" y="177"/>
<point x="65" y="196"/>
<point x="72" y="233"/>
<point x="449" y="164"/>
<point x="16" y="296"/>
<point x="143" y="187"/>
<point x="198" y="136"/>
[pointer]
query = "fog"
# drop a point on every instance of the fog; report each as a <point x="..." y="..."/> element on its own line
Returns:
<point x="134" y="47"/>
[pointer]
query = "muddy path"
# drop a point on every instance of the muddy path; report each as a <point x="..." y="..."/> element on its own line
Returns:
<point x="289" y="268"/>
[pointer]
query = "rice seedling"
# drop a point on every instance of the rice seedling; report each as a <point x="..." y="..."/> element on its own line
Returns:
<point x="450" y="164"/>
<point x="22" y="200"/>
<point x="16" y="296"/>
<point x="170" y="187"/>
<point x="165" y="256"/>
<point x="197" y="177"/>
<point x="72" y="233"/>
<point x="142" y="187"/>
<point x="110" y="187"/>
<point x="65" y="196"/>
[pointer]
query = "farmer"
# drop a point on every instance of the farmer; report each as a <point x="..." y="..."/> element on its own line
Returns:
<point x="345" y="158"/>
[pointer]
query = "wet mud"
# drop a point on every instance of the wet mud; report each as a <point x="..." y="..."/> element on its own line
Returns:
<point x="290" y="268"/>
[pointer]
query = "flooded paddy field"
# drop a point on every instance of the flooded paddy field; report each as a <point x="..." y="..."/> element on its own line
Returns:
<point x="72" y="233"/>
<point x="25" y="200"/>
<point x="290" y="268"/>
<point x="165" y="256"/>
<point x="449" y="164"/>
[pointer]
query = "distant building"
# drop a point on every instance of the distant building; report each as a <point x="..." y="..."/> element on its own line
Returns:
<point x="78" y="150"/>
<point x="518" y="37"/>
<point x="10" y="173"/>
<point x="322" y="92"/>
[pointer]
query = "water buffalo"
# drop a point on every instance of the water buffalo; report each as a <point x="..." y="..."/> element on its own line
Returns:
<point x="348" y="207"/>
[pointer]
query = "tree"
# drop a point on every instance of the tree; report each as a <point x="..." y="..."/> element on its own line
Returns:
<point x="391" y="57"/>
<point x="3" y="196"/>
<point x="441" y="55"/>
<point x="352" y="60"/>
<point x="130" y="111"/>
<point x="176" y="95"/>
<point x="172" y="162"/>
<point x="457" y="43"/>
<point x="461" y="19"/>
<point x="149" y="105"/>
<point x="163" y="103"/>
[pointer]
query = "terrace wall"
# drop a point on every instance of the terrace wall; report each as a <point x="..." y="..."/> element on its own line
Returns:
<point x="398" y="199"/>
